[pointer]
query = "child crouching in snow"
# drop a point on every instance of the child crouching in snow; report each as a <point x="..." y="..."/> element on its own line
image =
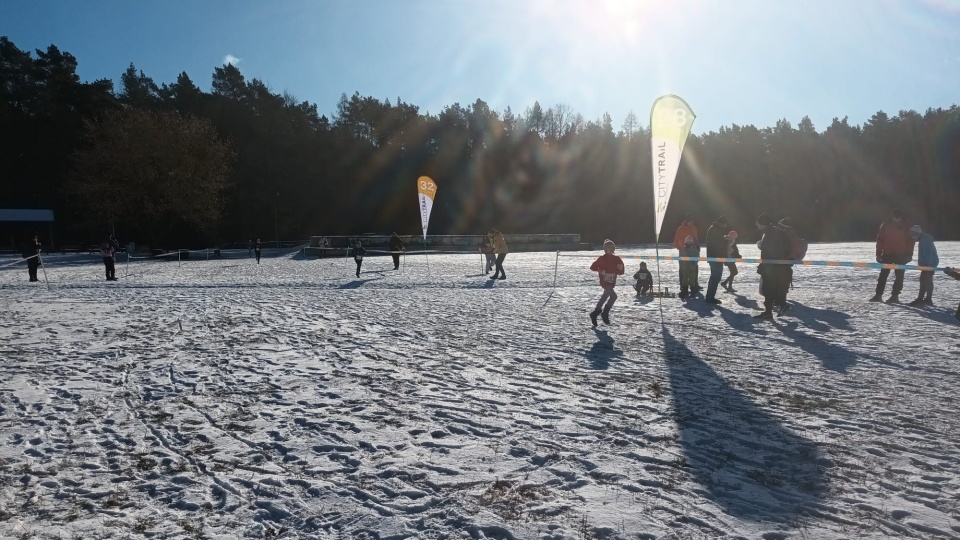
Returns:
<point x="609" y="266"/>
<point x="644" y="280"/>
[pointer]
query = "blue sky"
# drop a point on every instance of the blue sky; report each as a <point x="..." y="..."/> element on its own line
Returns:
<point x="735" y="61"/>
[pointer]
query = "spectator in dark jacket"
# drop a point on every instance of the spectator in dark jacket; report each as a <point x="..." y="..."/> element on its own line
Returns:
<point x="31" y="252"/>
<point x="774" y="278"/>
<point x="894" y="246"/>
<point x="358" y="253"/>
<point x="108" y="250"/>
<point x="396" y="247"/>
<point x="716" y="247"/>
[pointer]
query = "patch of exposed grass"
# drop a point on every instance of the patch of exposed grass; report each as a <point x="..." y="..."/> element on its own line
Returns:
<point x="508" y="500"/>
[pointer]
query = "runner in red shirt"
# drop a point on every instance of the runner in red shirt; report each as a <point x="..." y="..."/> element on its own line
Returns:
<point x="608" y="266"/>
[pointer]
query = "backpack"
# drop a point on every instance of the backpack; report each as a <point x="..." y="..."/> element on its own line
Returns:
<point x="798" y="248"/>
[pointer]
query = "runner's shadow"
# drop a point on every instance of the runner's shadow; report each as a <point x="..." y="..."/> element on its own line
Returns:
<point x="747" y="462"/>
<point x="602" y="351"/>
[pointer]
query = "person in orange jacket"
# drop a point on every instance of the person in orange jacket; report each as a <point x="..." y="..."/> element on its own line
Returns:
<point x="687" y="228"/>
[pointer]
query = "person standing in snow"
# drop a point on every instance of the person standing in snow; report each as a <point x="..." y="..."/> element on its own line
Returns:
<point x="774" y="283"/>
<point x="358" y="253"/>
<point x="31" y="252"/>
<point x="926" y="256"/>
<point x="687" y="228"/>
<point x="717" y="248"/>
<point x="955" y="274"/>
<point x="487" y="249"/>
<point x="500" y="248"/>
<point x="644" y="279"/>
<point x="689" y="269"/>
<point x="797" y="247"/>
<point x="256" y="250"/>
<point x="894" y="246"/>
<point x="396" y="248"/>
<point x="108" y="250"/>
<point x="732" y="253"/>
<point x="608" y="266"/>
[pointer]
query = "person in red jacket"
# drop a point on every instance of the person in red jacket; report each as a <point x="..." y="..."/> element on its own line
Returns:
<point x="687" y="228"/>
<point x="608" y="266"/>
<point x="894" y="246"/>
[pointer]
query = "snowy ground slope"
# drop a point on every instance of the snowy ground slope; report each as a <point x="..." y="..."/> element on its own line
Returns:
<point x="221" y="399"/>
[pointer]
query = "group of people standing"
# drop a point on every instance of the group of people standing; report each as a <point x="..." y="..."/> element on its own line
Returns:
<point x="779" y="241"/>
<point x="895" y="245"/>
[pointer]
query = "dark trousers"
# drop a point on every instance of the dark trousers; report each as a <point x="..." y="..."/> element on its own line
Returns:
<point x="606" y="300"/>
<point x="257" y="253"/>
<point x="32" y="265"/>
<point x="359" y="262"/>
<point x="732" y="267"/>
<point x="716" y="272"/>
<point x="897" y="281"/>
<point x="926" y="286"/>
<point x="499" y="271"/>
<point x="109" y="267"/>
<point x="776" y="282"/>
<point x="396" y="260"/>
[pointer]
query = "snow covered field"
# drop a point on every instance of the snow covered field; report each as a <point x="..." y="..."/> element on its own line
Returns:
<point x="222" y="399"/>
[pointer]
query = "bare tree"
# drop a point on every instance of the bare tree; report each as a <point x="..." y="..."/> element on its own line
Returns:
<point x="631" y="126"/>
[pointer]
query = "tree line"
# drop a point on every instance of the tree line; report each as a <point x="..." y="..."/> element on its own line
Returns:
<point x="173" y="164"/>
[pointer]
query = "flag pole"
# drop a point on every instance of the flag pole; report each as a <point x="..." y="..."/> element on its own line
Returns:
<point x="425" y="254"/>
<point x="659" y="288"/>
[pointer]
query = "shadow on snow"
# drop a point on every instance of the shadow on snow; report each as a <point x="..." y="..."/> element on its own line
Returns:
<point x="602" y="351"/>
<point x="747" y="461"/>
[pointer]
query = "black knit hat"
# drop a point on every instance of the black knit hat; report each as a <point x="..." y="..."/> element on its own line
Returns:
<point x="764" y="219"/>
